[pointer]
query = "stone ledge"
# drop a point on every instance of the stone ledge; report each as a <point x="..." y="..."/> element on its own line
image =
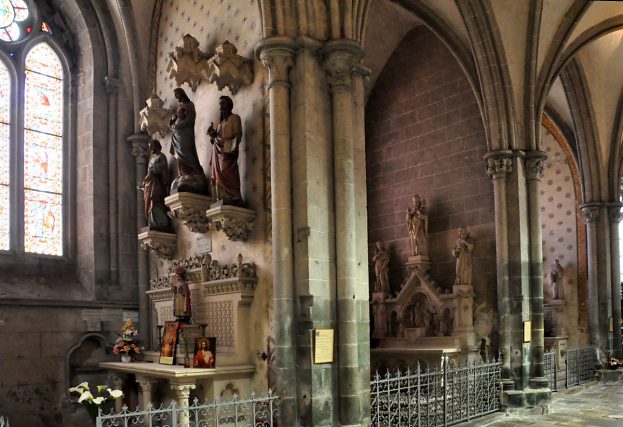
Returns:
<point x="609" y="376"/>
<point x="190" y="209"/>
<point x="161" y="243"/>
<point x="234" y="221"/>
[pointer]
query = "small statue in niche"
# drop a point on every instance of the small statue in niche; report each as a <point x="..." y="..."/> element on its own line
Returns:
<point x="225" y="140"/>
<point x="484" y="350"/>
<point x="155" y="188"/>
<point x="190" y="173"/>
<point x="381" y="268"/>
<point x="417" y="319"/>
<point x="462" y="251"/>
<point x="556" y="280"/>
<point x="417" y="225"/>
<point x="181" y="296"/>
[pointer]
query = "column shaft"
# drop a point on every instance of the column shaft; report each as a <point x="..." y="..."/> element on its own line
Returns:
<point x="591" y="212"/>
<point x="614" y="216"/>
<point x="535" y="162"/>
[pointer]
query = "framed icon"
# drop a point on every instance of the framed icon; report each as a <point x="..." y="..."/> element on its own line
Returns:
<point x="205" y="352"/>
<point x="169" y="343"/>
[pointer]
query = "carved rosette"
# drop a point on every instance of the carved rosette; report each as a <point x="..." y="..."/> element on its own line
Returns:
<point x="535" y="164"/>
<point x="190" y="209"/>
<point x="590" y="213"/>
<point x="499" y="167"/>
<point x="228" y="69"/>
<point x="234" y="221"/>
<point x="161" y="244"/>
<point x="155" y="118"/>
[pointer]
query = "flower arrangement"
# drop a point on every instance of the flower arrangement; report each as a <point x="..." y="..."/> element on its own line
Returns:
<point x="92" y="403"/>
<point x="126" y="343"/>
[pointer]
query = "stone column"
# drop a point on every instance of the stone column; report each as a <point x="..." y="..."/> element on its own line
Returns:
<point x="147" y="386"/>
<point x="615" y="216"/>
<point x="590" y="211"/>
<point x="535" y="163"/>
<point x="499" y="166"/>
<point x="182" y="395"/>
<point x="117" y="383"/>
<point x="277" y="55"/>
<point x="112" y="89"/>
<point x="340" y="59"/>
<point x="140" y="151"/>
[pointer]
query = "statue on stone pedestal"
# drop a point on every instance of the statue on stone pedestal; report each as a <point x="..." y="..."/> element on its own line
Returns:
<point x="417" y="225"/>
<point x="381" y="268"/>
<point x="190" y="173"/>
<point x="225" y="141"/>
<point x="417" y="319"/>
<point x="181" y="296"/>
<point x="462" y="251"/>
<point x="155" y="188"/>
<point x="556" y="279"/>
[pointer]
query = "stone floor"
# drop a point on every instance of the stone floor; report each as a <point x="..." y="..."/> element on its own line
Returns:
<point x="598" y="405"/>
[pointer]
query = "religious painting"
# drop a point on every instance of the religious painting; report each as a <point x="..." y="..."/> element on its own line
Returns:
<point x="205" y="352"/>
<point x="169" y="343"/>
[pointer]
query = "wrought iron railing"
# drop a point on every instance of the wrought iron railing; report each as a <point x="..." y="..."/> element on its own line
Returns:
<point x="551" y="370"/>
<point x="580" y="365"/>
<point x="435" y="397"/>
<point x="253" y="412"/>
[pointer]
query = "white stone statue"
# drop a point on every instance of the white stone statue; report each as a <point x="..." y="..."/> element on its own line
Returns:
<point x="462" y="251"/>
<point x="556" y="280"/>
<point x="381" y="268"/>
<point x="417" y="225"/>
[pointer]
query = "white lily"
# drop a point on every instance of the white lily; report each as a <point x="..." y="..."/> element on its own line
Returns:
<point x="101" y="388"/>
<point x="98" y="400"/>
<point x="76" y="389"/>
<point x="115" y="393"/>
<point x="86" y="395"/>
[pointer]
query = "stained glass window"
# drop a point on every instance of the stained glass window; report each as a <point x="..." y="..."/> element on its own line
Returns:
<point x="12" y="13"/>
<point x="4" y="158"/>
<point x="43" y="152"/>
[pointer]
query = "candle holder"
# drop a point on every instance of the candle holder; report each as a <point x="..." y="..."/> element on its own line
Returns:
<point x="203" y="329"/>
<point x="159" y="327"/>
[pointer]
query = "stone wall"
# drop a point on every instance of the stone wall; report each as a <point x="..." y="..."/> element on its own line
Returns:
<point x="238" y="22"/>
<point x="424" y="134"/>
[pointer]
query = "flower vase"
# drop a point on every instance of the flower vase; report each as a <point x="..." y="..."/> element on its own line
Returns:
<point x="126" y="358"/>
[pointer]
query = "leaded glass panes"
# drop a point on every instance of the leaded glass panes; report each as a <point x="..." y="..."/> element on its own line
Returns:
<point x="5" y="90"/>
<point x="11" y="13"/>
<point x="43" y="152"/>
<point x="43" y="223"/>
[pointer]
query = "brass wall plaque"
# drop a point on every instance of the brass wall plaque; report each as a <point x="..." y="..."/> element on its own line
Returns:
<point x="323" y="345"/>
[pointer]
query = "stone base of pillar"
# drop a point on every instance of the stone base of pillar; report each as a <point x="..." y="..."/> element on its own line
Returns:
<point x="538" y="383"/>
<point x="530" y="399"/>
<point x="609" y="375"/>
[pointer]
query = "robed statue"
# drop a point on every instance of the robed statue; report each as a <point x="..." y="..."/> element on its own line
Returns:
<point x="156" y="187"/>
<point x="225" y="140"/>
<point x="381" y="268"/>
<point x="181" y="296"/>
<point x="190" y="176"/>
<point x="417" y="225"/>
<point x="462" y="251"/>
<point x="556" y="280"/>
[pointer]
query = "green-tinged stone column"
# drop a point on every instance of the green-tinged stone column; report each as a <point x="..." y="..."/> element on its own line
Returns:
<point x="341" y="57"/>
<point x="140" y="151"/>
<point x="535" y="163"/>
<point x="499" y="166"/>
<point x="277" y="53"/>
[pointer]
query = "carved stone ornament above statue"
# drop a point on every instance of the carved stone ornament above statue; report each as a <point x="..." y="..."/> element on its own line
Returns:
<point x="155" y="118"/>
<point x="188" y="64"/>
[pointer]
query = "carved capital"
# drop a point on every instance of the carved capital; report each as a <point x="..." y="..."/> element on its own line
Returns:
<point x="614" y="213"/>
<point x="535" y="164"/>
<point x="499" y="167"/>
<point x="278" y="60"/>
<point x="112" y="85"/>
<point x="182" y="391"/>
<point x="147" y="384"/>
<point x="342" y="59"/>
<point x="140" y="148"/>
<point x="590" y="212"/>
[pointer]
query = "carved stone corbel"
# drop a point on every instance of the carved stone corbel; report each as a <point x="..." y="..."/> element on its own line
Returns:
<point x="160" y="243"/>
<point x="228" y="69"/>
<point x="187" y="63"/>
<point x="234" y="221"/>
<point x="190" y="208"/>
<point x="155" y="118"/>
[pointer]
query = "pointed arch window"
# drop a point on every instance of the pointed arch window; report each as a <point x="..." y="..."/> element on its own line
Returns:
<point x="32" y="134"/>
